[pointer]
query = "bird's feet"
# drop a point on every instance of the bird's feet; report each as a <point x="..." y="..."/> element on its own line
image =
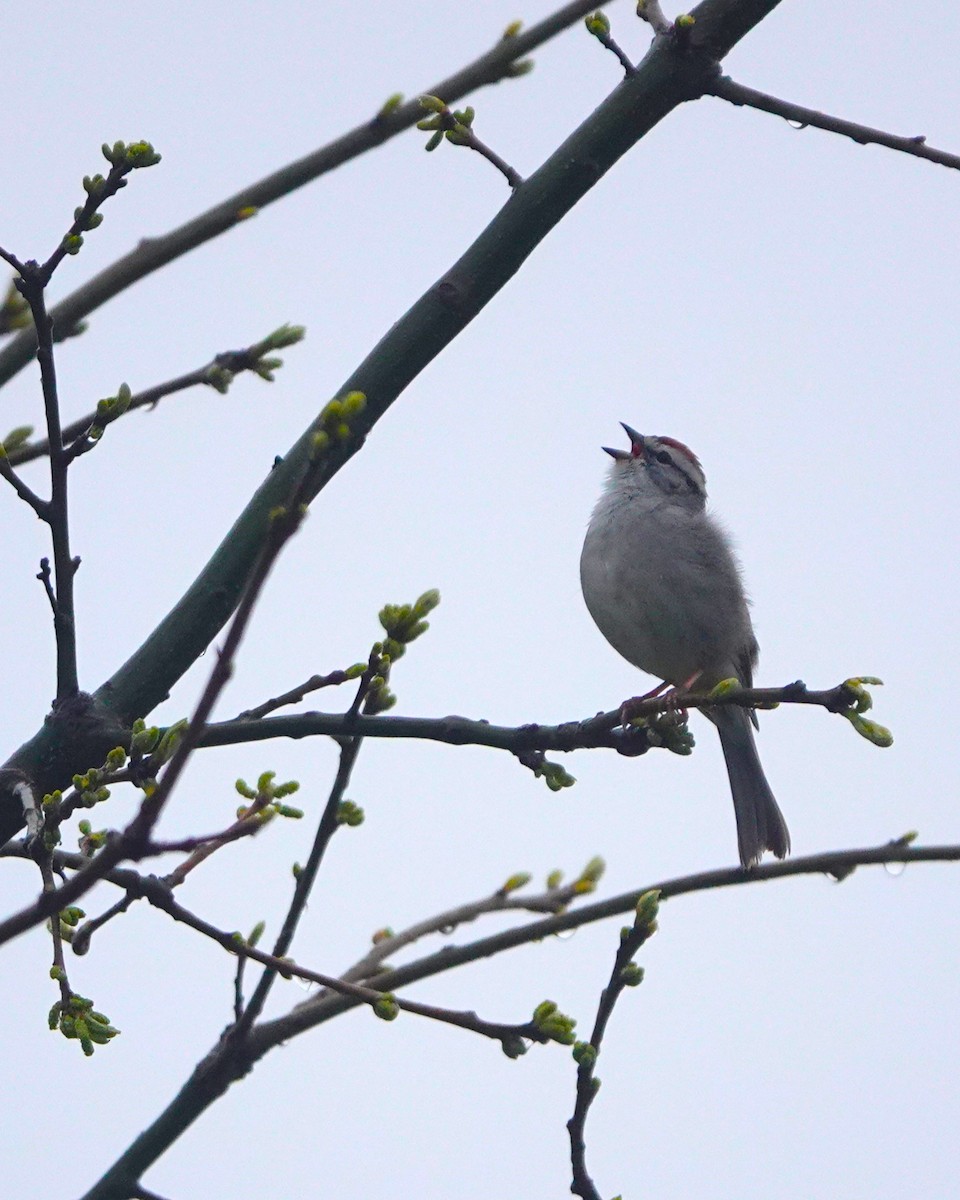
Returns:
<point x="630" y="708"/>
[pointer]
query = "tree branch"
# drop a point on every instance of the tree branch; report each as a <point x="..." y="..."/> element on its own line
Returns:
<point x="736" y="93"/>
<point x="218" y="374"/>
<point x="625" y="973"/>
<point x="602" y="730"/>
<point x="32" y="284"/>
<point x="305" y="880"/>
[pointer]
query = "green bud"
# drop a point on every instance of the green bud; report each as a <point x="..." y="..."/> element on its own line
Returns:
<point x="584" y="1054"/>
<point x="144" y="739"/>
<point x="543" y="1011"/>
<point x="648" y="906"/>
<point x="349" y="814"/>
<point x="427" y="602"/>
<point x="597" y="24"/>
<point x="727" y="686"/>
<point x="332" y="413"/>
<point x="515" y="882"/>
<point x="432" y="104"/>
<point x="871" y="730"/>
<point x="354" y="403"/>
<point x="386" y="1007"/>
<point x="16" y="437"/>
<point x="554" y="879"/>
<point x="391" y="104"/>
<point x="140" y="154"/>
<point x="513" y="1046"/>
<point x="631" y="975"/>
<point x="116" y="758"/>
<point x="594" y="869"/>
<point x="169" y="742"/>
<point x="256" y="933"/>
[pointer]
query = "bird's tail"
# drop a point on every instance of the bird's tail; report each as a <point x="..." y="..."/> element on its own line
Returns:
<point x="760" y="823"/>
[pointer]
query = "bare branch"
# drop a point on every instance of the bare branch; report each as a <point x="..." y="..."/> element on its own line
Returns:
<point x="736" y="93"/>
<point x="553" y="900"/>
<point x="295" y="695"/>
<point x="625" y="974"/>
<point x="32" y="285"/>
<point x="305" y="880"/>
<point x="218" y="374"/>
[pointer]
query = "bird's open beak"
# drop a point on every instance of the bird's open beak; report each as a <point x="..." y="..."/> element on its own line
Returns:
<point x="636" y="445"/>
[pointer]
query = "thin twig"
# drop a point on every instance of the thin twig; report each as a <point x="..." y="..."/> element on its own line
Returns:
<point x="294" y="696"/>
<point x="554" y="900"/>
<point x="32" y="284"/>
<point x="736" y="93"/>
<point x="624" y="969"/>
<point x="513" y="178"/>
<point x="651" y="12"/>
<point x="40" y="506"/>
<point x="213" y="374"/>
<point x="326" y="828"/>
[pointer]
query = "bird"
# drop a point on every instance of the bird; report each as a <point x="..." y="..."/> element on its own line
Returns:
<point x="661" y="581"/>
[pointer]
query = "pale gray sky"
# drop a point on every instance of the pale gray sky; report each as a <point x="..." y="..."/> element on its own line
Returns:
<point x="786" y="303"/>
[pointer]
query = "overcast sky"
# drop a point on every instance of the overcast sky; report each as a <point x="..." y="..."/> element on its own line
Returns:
<point x="784" y="302"/>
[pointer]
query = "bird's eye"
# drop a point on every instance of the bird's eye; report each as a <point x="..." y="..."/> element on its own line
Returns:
<point x="663" y="457"/>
